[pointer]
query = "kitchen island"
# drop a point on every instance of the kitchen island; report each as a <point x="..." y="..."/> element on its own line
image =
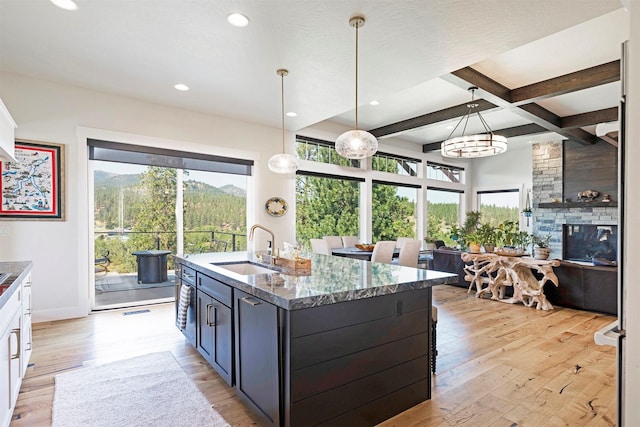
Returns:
<point x="347" y="343"/>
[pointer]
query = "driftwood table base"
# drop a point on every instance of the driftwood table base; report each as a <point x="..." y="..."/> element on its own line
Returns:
<point x="491" y="273"/>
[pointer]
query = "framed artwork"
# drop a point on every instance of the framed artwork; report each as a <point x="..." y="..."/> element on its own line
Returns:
<point x="33" y="187"/>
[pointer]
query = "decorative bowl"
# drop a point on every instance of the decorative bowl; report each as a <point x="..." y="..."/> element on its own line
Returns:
<point x="365" y="246"/>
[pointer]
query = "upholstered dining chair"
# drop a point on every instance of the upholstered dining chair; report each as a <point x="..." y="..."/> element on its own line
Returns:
<point x="409" y="253"/>
<point x="349" y="241"/>
<point x="400" y="241"/>
<point x="383" y="251"/>
<point x="320" y="246"/>
<point x="333" y="242"/>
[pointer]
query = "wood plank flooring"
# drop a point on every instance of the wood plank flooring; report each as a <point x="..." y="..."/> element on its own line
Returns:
<point x="498" y="364"/>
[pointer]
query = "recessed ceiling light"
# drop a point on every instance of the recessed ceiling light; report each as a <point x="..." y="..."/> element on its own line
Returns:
<point x="65" y="4"/>
<point x="182" y="87"/>
<point x="375" y="102"/>
<point x="450" y="127"/>
<point x="237" y="20"/>
<point x="292" y="114"/>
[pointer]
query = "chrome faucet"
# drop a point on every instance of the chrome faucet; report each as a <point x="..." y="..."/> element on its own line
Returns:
<point x="273" y="239"/>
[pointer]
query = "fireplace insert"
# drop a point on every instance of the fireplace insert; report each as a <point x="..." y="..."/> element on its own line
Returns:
<point x="591" y="243"/>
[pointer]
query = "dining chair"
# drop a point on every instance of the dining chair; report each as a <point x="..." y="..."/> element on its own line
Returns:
<point x="383" y="251"/>
<point x="320" y="246"/>
<point x="349" y="241"/>
<point x="409" y="253"/>
<point x="400" y="241"/>
<point x="333" y="242"/>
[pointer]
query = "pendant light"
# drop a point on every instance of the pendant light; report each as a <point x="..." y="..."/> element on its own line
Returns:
<point x="283" y="163"/>
<point x="471" y="146"/>
<point x="356" y="144"/>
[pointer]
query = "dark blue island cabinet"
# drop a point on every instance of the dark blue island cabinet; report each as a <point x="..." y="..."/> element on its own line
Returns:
<point x="215" y="325"/>
<point x="346" y="344"/>
<point x="353" y="363"/>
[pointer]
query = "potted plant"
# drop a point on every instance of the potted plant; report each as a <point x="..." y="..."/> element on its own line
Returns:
<point x="473" y="241"/>
<point x="430" y="243"/>
<point x="488" y="236"/>
<point x="527" y="212"/>
<point x="541" y="243"/>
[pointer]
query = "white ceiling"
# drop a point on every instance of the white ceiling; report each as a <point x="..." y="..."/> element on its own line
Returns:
<point x="141" y="48"/>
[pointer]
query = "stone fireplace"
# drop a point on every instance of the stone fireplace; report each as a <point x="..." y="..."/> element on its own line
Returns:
<point x="547" y="185"/>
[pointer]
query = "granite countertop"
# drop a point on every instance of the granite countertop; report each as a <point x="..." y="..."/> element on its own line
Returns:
<point x="17" y="271"/>
<point x="332" y="279"/>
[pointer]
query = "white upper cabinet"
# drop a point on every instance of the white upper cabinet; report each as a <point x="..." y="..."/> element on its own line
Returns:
<point x="7" y="134"/>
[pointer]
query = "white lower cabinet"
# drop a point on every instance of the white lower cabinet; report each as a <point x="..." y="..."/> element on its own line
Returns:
<point x="10" y="375"/>
<point x="25" y="327"/>
<point x="15" y="347"/>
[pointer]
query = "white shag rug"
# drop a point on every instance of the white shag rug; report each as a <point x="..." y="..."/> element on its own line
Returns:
<point x="150" y="390"/>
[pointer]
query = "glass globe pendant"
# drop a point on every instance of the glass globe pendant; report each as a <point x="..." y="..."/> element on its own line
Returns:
<point x="283" y="163"/>
<point x="356" y="144"/>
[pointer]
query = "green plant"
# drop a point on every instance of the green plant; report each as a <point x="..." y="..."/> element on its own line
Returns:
<point x="430" y="239"/>
<point x="541" y="241"/>
<point x="488" y="234"/>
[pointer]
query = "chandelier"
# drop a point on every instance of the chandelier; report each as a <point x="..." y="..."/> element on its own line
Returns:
<point x="356" y="144"/>
<point x="478" y="145"/>
<point x="283" y="163"/>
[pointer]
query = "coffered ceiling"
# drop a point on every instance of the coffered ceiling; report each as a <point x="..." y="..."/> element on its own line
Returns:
<point x="417" y="58"/>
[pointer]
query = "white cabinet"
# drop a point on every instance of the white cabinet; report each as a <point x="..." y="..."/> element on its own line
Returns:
<point x="25" y="327"/>
<point x="15" y="346"/>
<point x="7" y="133"/>
<point x="10" y="375"/>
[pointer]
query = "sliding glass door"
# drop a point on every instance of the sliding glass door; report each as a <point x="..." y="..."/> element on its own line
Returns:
<point x="144" y="213"/>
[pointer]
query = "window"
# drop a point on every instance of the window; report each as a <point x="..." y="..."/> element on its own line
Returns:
<point x="395" y="164"/>
<point x="443" y="212"/>
<point x="326" y="205"/>
<point x="499" y="206"/>
<point x="439" y="172"/>
<point x="393" y="211"/>
<point x="317" y="150"/>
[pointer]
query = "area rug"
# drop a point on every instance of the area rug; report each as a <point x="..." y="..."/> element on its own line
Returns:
<point x="150" y="390"/>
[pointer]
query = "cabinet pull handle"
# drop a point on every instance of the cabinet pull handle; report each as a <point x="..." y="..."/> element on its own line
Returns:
<point x="209" y="322"/>
<point x="17" y="355"/>
<point x="27" y="284"/>
<point x="251" y="301"/>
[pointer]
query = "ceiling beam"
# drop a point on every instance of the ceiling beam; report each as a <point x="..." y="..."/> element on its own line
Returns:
<point x="591" y="118"/>
<point x="572" y="82"/>
<point x="500" y="95"/>
<point x="430" y="118"/>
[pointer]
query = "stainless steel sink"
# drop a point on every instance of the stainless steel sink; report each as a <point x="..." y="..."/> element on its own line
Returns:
<point x="245" y="268"/>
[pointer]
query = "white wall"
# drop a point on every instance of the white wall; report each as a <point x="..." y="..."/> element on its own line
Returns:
<point x="631" y="362"/>
<point x="49" y="112"/>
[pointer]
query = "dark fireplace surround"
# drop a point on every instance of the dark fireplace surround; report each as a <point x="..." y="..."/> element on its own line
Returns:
<point x="590" y="243"/>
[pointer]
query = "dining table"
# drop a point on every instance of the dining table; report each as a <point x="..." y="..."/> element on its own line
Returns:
<point x="356" y="253"/>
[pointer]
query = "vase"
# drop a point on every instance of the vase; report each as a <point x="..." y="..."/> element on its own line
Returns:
<point x="541" y="253"/>
<point x="474" y="248"/>
<point x="488" y="248"/>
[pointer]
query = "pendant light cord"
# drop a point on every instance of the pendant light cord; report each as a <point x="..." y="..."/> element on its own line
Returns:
<point x="282" y="93"/>
<point x="357" y="26"/>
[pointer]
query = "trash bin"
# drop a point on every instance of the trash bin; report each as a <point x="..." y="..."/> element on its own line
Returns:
<point x="152" y="266"/>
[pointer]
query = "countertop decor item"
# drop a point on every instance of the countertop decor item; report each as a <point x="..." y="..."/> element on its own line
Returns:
<point x="365" y="246"/>
<point x="283" y="163"/>
<point x="276" y="206"/>
<point x="476" y="145"/>
<point x="356" y="144"/>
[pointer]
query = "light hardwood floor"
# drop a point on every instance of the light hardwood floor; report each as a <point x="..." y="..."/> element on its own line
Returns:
<point x="498" y="364"/>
